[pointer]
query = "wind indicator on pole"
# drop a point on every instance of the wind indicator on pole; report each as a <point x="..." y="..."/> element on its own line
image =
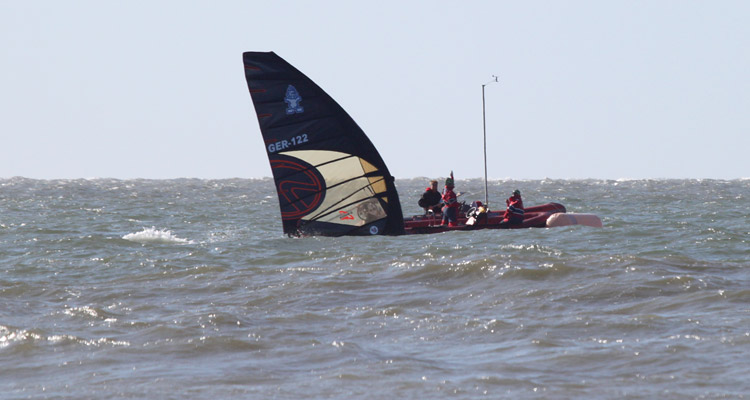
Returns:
<point x="484" y="128"/>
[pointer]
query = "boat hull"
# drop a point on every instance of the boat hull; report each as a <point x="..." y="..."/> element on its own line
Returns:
<point x="534" y="217"/>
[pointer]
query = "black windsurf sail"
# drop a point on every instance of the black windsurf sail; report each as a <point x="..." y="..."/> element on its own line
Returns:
<point x="329" y="177"/>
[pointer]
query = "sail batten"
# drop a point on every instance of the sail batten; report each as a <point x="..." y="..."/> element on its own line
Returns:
<point x="329" y="177"/>
<point x="315" y="166"/>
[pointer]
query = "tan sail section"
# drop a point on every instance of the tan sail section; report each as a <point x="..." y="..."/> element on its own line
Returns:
<point x="377" y="182"/>
<point x="367" y="167"/>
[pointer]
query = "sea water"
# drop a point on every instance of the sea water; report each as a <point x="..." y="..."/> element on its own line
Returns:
<point x="182" y="289"/>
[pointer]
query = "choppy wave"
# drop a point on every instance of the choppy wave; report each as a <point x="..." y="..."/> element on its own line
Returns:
<point x="221" y="304"/>
<point x="153" y="235"/>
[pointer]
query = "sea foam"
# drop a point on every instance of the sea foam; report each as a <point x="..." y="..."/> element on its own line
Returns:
<point x="153" y="235"/>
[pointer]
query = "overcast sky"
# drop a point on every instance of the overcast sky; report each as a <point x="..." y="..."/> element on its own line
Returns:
<point x="588" y="89"/>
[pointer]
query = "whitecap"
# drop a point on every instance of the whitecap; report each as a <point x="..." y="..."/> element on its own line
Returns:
<point x="153" y="235"/>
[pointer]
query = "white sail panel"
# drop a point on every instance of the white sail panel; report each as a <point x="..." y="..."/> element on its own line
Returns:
<point x="364" y="212"/>
<point x="335" y="166"/>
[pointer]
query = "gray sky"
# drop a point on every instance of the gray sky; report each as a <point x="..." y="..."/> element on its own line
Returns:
<point x="588" y="89"/>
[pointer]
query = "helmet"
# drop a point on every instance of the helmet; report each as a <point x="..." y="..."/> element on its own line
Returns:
<point x="516" y="192"/>
<point x="449" y="182"/>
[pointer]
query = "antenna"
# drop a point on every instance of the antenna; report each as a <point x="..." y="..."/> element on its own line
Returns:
<point x="484" y="127"/>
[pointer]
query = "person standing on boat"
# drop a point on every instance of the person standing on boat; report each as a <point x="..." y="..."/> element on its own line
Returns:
<point x="431" y="198"/>
<point x="450" y="209"/>
<point x="514" y="211"/>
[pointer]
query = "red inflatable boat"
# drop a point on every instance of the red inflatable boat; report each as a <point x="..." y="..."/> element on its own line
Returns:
<point x="472" y="219"/>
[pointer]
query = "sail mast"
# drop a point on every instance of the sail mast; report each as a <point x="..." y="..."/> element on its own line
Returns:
<point x="484" y="128"/>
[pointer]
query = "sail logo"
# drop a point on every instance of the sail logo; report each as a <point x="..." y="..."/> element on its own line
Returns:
<point x="345" y="215"/>
<point x="302" y="188"/>
<point x="292" y="100"/>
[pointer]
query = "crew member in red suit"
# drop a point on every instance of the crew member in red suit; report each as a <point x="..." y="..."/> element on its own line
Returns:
<point x="514" y="212"/>
<point x="450" y="209"/>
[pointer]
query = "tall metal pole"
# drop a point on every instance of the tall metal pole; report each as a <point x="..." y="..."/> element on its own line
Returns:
<point x="484" y="128"/>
